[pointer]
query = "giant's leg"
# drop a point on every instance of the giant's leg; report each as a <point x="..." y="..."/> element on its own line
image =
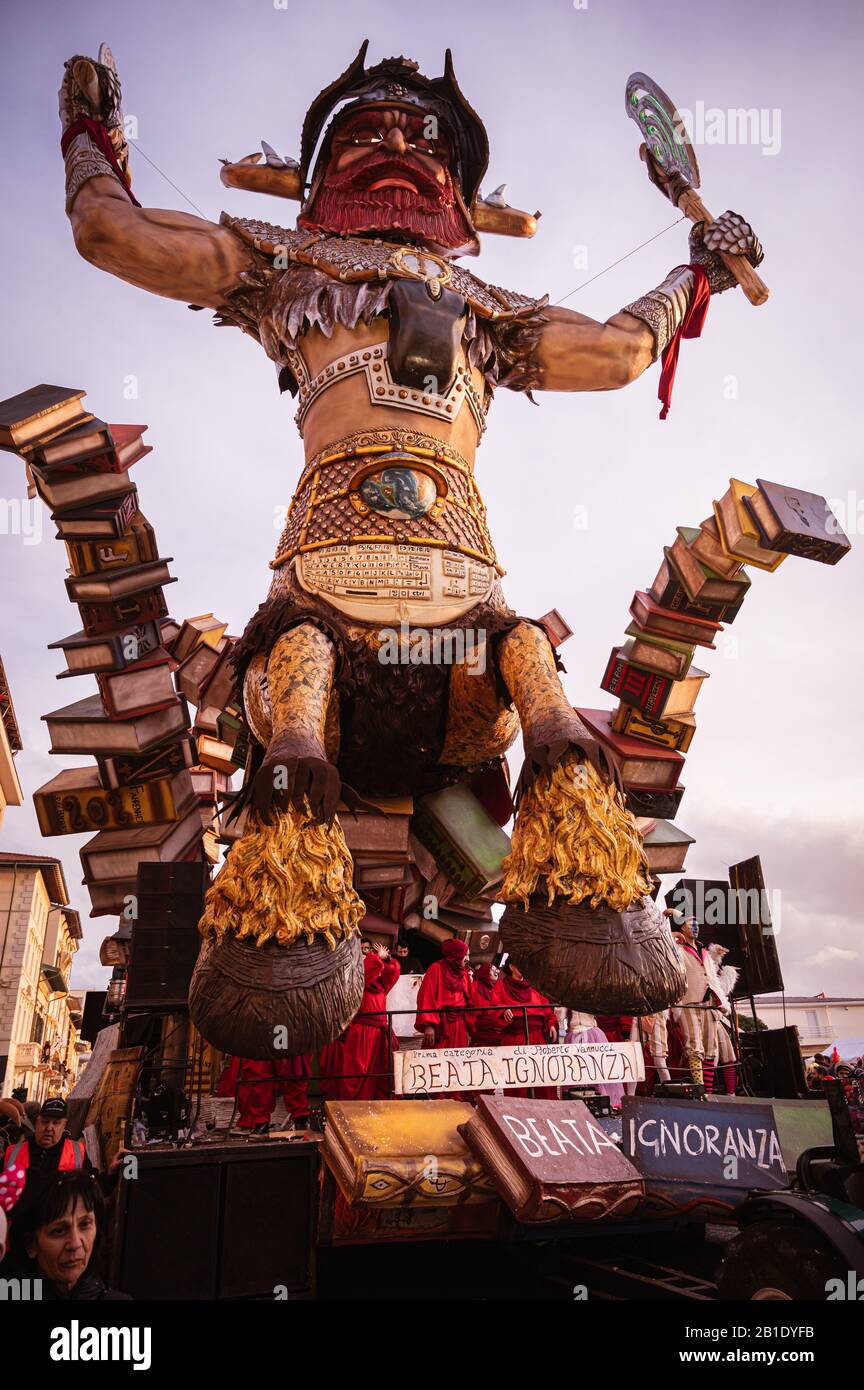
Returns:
<point x="579" y="919"/>
<point x="281" y="973"/>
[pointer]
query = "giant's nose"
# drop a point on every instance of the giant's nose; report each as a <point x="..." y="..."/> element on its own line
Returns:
<point x="394" y="140"/>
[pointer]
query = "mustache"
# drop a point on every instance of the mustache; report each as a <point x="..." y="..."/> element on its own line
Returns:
<point x="377" y="166"/>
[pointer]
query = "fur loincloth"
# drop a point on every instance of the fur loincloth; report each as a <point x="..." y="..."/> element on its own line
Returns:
<point x="393" y="717"/>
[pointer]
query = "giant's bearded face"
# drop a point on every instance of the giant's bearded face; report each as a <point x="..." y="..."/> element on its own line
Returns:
<point x="389" y="173"/>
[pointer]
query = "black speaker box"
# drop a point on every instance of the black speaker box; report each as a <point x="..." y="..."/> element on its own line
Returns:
<point x="170" y="894"/>
<point x="758" y="941"/>
<point x="160" y="966"/>
<point x="233" y="1221"/>
<point x="775" y="1066"/>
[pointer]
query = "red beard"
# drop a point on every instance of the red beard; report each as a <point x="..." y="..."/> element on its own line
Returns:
<point x="344" y="203"/>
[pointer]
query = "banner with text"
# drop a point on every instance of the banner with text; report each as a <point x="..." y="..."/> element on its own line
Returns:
<point x="433" y="1070"/>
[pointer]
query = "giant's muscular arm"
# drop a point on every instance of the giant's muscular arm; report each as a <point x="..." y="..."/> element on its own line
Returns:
<point x="573" y="353"/>
<point x="168" y="253"/>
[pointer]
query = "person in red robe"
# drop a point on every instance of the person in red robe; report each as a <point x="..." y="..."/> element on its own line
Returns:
<point x="485" y="994"/>
<point x="444" y="999"/>
<point x="294" y="1074"/>
<point x="443" y="1003"/>
<point x="617" y="1027"/>
<point x="254" y="1086"/>
<point x="257" y="1084"/>
<point x="357" y="1065"/>
<point x="522" y="1002"/>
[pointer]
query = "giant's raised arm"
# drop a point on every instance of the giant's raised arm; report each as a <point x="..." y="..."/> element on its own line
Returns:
<point x="573" y="353"/>
<point x="169" y="253"/>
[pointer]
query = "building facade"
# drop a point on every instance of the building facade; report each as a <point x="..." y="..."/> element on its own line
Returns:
<point x="821" y="1021"/>
<point x="10" y="744"/>
<point x="40" y="1048"/>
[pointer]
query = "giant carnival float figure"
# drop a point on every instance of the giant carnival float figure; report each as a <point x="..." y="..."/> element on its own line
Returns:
<point x="393" y="351"/>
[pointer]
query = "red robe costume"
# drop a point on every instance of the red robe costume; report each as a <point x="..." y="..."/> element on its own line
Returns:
<point x="527" y="1002"/>
<point x="357" y="1065"/>
<point x="443" y="1003"/>
<point x="257" y="1084"/>
<point x="484" y="995"/>
<point x="444" y="998"/>
<point x="615" y="1026"/>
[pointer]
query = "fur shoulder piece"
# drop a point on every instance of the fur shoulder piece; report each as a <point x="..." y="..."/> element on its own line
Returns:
<point x="305" y="280"/>
<point x="353" y="260"/>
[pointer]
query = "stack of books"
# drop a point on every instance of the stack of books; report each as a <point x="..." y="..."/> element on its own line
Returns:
<point x="385" y="872"/>
<point x="700" y="586"/>
<point x="139" y="795"/>
<point x="432" y="865"/>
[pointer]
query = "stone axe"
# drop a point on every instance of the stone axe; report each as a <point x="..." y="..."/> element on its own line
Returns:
<point x="673" y="167"/>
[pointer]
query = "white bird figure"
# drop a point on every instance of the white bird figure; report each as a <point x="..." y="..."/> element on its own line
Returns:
<point x="497" y="198"/>
<point x="275" y="160"/>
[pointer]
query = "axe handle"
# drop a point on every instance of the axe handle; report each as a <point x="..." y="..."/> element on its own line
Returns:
<point x="753" y="286"/>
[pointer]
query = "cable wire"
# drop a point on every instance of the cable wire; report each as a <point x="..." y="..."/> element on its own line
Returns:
<point x="621" y="260"/>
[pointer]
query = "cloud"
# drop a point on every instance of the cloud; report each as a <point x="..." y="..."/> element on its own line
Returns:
<point x="830" y="953"/>
<point x="812" y="870"/>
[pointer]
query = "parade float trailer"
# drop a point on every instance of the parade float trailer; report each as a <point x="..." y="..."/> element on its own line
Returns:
<point x="616" y="1202"/>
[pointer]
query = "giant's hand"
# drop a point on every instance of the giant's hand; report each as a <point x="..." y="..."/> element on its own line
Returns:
<point x="91" y="115"/>
<point x="732" y="236"/>
<point x="160" y="250"/>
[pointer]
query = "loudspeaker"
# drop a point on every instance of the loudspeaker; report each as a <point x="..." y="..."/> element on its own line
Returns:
<point x="735" y="914"/>
<point x="233" y="1221"/>
<point x="160" y="966"/>
<point x="169" y="894"/>
<point x="761" y="964"/>
<point x="779" y="1069"/>
<point x="94" y="1015"/>
<point x="165" y="939"/>
<point x="695" y="897"/>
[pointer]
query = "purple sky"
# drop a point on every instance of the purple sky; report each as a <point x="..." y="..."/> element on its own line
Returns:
<point x="775" y="768"/>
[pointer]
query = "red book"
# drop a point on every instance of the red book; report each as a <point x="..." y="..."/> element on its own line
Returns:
<point x="112" y="449"/>
<point x="649" y="691"/>
<point x="634" y="685"/>
<point x="640" y="764"/>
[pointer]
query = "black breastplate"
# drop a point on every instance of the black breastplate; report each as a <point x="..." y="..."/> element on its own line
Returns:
<point x="425" y="335"/>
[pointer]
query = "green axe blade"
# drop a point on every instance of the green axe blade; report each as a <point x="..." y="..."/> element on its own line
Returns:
<point x="662" y="130"/>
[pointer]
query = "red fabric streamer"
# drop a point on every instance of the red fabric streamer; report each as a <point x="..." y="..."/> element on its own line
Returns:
<point x="690" y="327"/>
<point x="99" y="135"/>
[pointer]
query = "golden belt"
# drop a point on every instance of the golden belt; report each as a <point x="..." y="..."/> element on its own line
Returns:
<point x="393" y="486"/>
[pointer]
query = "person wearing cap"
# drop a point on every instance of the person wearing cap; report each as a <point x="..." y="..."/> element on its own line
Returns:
<point x="57" y="1237"/>
<point x="48" y="1151"/>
